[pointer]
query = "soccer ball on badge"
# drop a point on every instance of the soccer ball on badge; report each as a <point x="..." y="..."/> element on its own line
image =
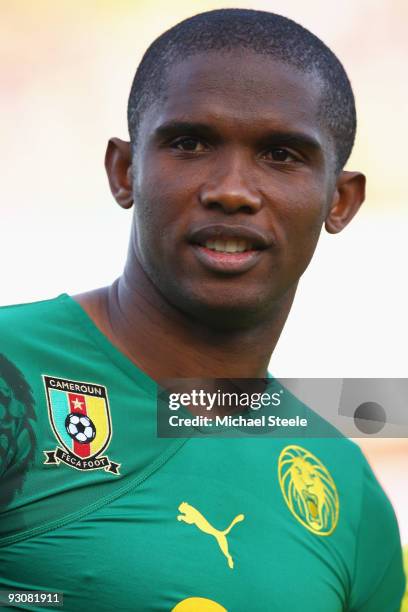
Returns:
<point x="80" y="428"/>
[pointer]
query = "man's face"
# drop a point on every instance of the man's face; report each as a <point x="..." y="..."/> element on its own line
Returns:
<point x="232" y="157"/>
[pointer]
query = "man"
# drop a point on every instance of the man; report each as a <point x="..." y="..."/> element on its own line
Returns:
<point x="240" y="122"/>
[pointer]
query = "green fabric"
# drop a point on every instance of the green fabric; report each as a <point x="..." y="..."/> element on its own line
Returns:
<point x="113" y="541"/>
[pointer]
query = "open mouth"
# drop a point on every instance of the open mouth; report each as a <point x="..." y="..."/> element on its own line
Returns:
<point x="228" y="249"/>
<point x="227" y="256"/>
<point x="230" y="238"/>
<point x="228" y="245"/>
<point x="312" y="504"/>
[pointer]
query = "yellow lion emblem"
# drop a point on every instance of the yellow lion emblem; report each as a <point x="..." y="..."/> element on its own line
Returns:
<point x="309" y="490"/>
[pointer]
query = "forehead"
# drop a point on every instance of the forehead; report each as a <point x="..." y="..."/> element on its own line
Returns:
<point x="242" y="90"/>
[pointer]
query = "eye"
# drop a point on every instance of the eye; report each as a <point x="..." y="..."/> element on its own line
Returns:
<point x="190" y="144"/>
<point x="278" y="154"/>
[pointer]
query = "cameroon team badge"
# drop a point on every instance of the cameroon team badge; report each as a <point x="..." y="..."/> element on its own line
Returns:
<point x="80" y="419"/>
<point x="309" y="490"/>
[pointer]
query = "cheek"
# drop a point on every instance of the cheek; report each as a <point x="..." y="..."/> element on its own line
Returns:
<point x="302" y="212"/>
<point x="159" y="222"/>
<point x="298" y="221"/>
<point x="154" y="210"/>
<point x="161" y="196"/>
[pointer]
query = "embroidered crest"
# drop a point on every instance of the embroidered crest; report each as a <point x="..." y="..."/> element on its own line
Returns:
<point x="309" y="490"/>
<point x="80" y="419"/>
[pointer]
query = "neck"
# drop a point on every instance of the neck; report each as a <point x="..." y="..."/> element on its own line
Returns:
<point x="166" y="343"/>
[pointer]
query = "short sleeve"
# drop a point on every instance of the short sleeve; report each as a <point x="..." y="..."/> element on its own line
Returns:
<point x="17" y="440"/>
<point x="379" y="580"/>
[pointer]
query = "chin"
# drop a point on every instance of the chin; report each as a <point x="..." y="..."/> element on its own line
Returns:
<point x="227" y="314"/>
<point x="224" y="306"/>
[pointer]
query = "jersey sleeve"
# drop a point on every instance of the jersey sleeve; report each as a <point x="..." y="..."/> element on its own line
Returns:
<point x="379" y="580"/>
<point x="17" y="440"/>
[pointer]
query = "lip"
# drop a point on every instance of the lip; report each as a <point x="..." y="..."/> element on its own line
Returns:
<point x="226" y="263"/>
<point x="223" y="262"/>
<point x="259" y="240"/>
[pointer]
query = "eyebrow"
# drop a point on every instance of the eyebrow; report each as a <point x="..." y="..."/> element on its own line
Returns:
<point x="290" y="138"/>
<point x="296" y="139"/>
<point x="171" y="128"/>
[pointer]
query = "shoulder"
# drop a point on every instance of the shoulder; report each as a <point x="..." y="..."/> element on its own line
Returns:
<point x="17" y="419"/>
<point x="24" y="314"/>
<point x="24" y="329"/>
<point x="378" y="577"/>
<point x="378" y="526"/>
<point x="367" y="524"/>
<point x="359" y="490"/>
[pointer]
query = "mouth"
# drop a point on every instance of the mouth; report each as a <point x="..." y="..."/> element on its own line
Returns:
<point x="228" y="245"/>
<point x="228" y="249"/>
<point x="312" y="504"/>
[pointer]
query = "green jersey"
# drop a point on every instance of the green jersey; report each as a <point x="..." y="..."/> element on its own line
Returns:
<point x="95" y="505"/>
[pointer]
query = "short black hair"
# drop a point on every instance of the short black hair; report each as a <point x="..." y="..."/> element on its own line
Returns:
<point x="263" y="33"/>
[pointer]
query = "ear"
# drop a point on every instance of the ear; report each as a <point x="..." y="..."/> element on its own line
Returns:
<point x="118" y="165"/>
<point x="347" y="199"/>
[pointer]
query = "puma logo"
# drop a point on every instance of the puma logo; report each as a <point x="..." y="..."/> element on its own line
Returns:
<point x="192" y="516"/>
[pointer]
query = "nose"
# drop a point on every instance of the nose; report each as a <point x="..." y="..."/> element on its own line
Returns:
<point x="229" y="188"/>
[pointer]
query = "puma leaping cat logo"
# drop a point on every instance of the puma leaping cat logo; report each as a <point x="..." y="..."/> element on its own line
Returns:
<point x="192" y="516"/>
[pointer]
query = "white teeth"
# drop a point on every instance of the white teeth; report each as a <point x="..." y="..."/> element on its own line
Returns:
<point x="241" y="245"/>
<point x="231" y="246"/>
<point x="228" y="246"/>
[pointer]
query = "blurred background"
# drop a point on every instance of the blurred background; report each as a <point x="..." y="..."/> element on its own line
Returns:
<point x="66" y="73"/>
